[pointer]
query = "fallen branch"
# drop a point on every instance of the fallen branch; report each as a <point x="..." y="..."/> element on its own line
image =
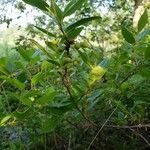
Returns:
<point x="128" y="127"/>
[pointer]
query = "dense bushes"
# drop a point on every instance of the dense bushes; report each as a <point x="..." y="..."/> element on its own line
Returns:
<point x="65" y="94"/>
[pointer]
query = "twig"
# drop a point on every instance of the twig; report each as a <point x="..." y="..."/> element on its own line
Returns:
<point x="140" y="135"/>
<point x="101" y="128"/>
<point x="66" y="83"/>
<point x="128" y="127"/>
<point x="69" y="142"/>
<point x="5" y="80"/>
<point x="68" y="42"/>
<point x="2" y="83"/>
<point x="55" y="141"/>
<point x="72" y="124"/>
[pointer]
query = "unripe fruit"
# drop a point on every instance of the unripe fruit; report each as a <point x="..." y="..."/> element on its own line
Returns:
<point x="55" y="42"/>
<point x="66" y="60"/>
<point x="77" y="46"/>
<point x="84" y="44"/>
<point x="81" y="45"/>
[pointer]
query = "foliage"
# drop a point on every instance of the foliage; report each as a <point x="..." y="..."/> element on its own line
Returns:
<point x="57" y="83"/>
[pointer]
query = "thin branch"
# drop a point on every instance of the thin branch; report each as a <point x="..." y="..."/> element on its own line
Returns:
<point x="66" y="83"/>
<point x="2" y="83"/>
<point x="140" y="135"/>
<point x="101" y="128"/>
<point x="128" y="127"/>
<point x="72" y="124"/>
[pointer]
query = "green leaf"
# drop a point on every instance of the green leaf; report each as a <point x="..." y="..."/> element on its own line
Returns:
<point x="128" y="36"/>
<point x="147" y="53"/>
<point x="71" y="3"/>
<point x="105" y="63"/>
<point x="72" y="6"/>
<point x="24" y="114"/>
<point x="5" y="119"/>
<point x="36" y="78"/>
<point x="49" y="124"/>
<point x="51" y="45"/>
<point x="31" y="93"/>
<point x="121" y="106"/>
<point x="45" y="65"/>
<point x="41" y="4"/>
<point x="84" y="57"/>
<point x="47" y="97"/>
<point x="26" y="101"/>
<point x="53" y="62"/>
<point x="74" y="33"/>
<point x="142" y="35"/>
<point x="40" y="47"/>
<point x="143" y="21"/>
<point x="59" y="109"/>
<point x="3" y="65"/>
<point x="56" y="11"/>
<point x="45" y="31"/>
<point x="30" y="55"/>
<point x="14" y="82"/>
<point x="28" y="97"/>
<point x="25" y="54"/>
<point x="3" y="62"/>
<point x="145" y="72"/>
<point x="82" y="22"/>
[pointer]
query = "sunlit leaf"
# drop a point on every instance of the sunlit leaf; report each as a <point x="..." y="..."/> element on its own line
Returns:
<point x="45" y="31"/>
<point x="36" y="78"/>
<point x="51" y="45"/>
<point x="40" y="47"/>
<point x="24" y="114"/>
<point x="97" y="72"/>
<point x="5" y="119"/>
<point x="53" y="62"/>
<point x="83" y="56"/>
<point x="41" y="4"/>
<point x="3" y="65"/>
<point x="45" y="65"/>
<point x="83" y="21"/>
<point x="72" y="6"/>
<point x="14" y="82"/>
<point x="143" y="21"/>
<point x="56" y="11"/>
<point x="47" y="97"/>
<point x="30" y="55"/>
